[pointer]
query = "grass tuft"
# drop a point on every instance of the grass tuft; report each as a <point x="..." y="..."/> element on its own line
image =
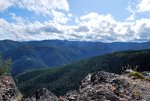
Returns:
<point x="137" y="75"/>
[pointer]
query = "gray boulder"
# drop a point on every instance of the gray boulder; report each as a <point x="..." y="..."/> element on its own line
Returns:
<point x="42" y="95"/>
<point x="104" y="86"/>
<point x="8" y="89"/>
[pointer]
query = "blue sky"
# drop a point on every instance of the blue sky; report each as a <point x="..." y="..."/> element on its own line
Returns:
<point x="82" y="20"/>
<point x="114" y="7"/>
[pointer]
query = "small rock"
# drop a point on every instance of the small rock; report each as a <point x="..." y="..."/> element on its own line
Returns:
<point x="42" y="95"/>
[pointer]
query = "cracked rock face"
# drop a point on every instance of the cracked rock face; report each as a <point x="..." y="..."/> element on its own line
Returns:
<point x="8" y="89"/>
<point x="104" y="86"/>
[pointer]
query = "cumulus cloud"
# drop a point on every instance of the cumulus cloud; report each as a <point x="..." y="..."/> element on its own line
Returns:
<point x="89" y="27"/>
<point x="5" y="4"/>
<point x="43" y="6"/>
<point x="138" y="9"/>
<point x="37" y="6"/>
<point x="26" y="31"/>
<point x="60" y="17"/>
<point x="144" y="6"/>
<point x="81" y="29"/>
<point x="57" y="10"/>
<point x="12" y="31"/>
<point x="106" y="29"/>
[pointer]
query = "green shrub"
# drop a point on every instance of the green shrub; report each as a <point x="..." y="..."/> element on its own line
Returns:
<point x="136" y="74"/>
<point x="5" y="67"/>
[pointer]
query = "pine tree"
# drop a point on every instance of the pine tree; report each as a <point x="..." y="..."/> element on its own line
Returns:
<point x="5" y="67"/>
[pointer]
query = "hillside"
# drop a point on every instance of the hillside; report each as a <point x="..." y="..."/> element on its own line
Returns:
<point x="33" y="57"/>
<point x="61" y="80"/>
<point x="53" y="53"/>
<point x="6" y="45"/>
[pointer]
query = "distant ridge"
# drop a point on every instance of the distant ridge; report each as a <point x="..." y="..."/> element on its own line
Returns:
<point x="52" y="53"/>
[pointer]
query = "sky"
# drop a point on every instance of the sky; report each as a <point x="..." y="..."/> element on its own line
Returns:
<point x="75" y="20"/>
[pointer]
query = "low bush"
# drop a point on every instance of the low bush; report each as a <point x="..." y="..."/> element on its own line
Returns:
<point x="5" y="67"/>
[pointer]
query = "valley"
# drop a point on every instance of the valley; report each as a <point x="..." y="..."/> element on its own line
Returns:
<point x="54" y="53"/>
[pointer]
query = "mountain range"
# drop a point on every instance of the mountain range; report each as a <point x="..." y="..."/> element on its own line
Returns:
<point x="54" y="53"/>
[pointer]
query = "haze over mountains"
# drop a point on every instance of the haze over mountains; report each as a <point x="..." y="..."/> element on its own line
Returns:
<point x="52" y="53"/>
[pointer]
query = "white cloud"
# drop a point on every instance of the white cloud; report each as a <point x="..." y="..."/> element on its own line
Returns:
<point x="12" y="31"/>
<point x="105" y="28"/>
<point x="5" y="4"/>
<point x="58" y="10"/>
<point x="25" y="31"/>
<point x="18" y="19"/>
<point x="132" y="11"/>
<point x="59" y="17"/>
<point x="90" y="27"/>
<point x="138" y="9"/>
<point x="144" y="6"/>
<point x="37" y="6"/>
<point x="91" y="15"/>
<point x="43" y="6"/>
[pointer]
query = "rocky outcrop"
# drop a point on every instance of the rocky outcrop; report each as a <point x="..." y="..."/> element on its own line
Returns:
<point x="98" y="86"/>
<point x="8" y="89"/>
<point x="103" y="86"/>
<point x="9" y="92"/>
<point x="42" y="95"/>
